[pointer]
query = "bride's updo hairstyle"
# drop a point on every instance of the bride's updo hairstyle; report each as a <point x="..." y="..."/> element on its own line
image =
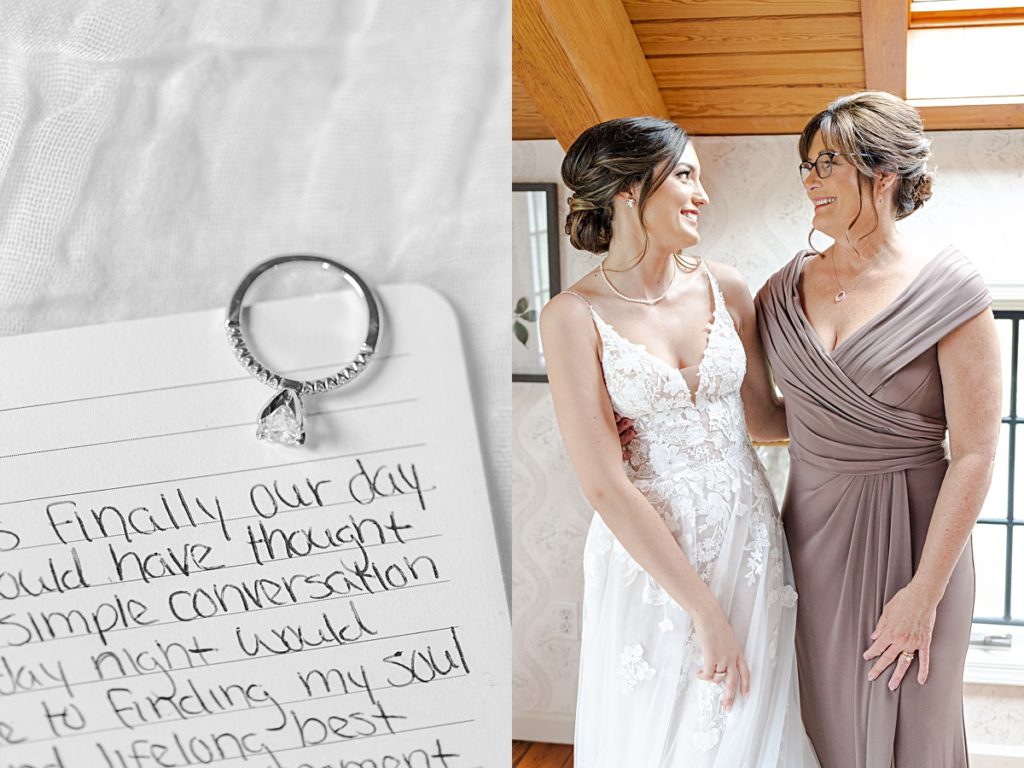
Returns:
<point x="877" y="133"/>
<point x="629" y="152"/>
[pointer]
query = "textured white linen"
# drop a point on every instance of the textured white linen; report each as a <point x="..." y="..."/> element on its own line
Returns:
<point x="151" y="152"/>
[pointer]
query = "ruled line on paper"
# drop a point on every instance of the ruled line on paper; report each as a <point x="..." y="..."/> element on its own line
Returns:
<point x="194" y="718"/>
<point x="273" y="753"/>
<point x="166" y="577"/>
<point x="199" y="524"/>
<point x="170" y="387"/>
<point x="247" y="424"/>
<point x="166" y="672"/>
<point x="361" y="738"/>
<point x="215" y="474"/>
<point x="206" y="619"/>
<point x="98" y="692"/>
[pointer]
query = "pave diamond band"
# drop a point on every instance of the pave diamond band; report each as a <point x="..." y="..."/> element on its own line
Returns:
<point x="282" y="419"/>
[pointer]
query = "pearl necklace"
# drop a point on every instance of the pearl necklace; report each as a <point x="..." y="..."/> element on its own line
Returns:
<point x="648" y="302"/>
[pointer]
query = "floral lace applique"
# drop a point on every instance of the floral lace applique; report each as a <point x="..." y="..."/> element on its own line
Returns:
<point x="757" y="550"/>
<point x="710" y="717"/>
<point x="693" y="458"/>
<point x="788" y="596"/>
<point x="691" y="661"/>
<point x="633" y="670"/>
<point x="653" y="594"/>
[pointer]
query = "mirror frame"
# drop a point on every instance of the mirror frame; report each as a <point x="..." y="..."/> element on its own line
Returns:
<point x="550" y="191"/>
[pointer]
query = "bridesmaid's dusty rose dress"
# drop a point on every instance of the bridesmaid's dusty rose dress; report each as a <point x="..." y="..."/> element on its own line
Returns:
<point x="866" y="425"/>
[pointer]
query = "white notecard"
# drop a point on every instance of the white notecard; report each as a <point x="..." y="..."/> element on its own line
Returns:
<point x="174" y="592"/>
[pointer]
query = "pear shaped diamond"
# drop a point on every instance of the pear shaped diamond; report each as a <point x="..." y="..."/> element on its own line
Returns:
<point x="282" y="419"/>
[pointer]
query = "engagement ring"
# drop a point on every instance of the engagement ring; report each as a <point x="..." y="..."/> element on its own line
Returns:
<point x="282" y="419"/>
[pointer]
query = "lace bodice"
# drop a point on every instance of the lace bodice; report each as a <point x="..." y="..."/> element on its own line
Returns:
<point x="693" y="461"/>
<point x="676" y="428"/>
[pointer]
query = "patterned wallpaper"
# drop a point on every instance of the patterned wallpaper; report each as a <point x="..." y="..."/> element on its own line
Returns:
<point x="757" y="219"/>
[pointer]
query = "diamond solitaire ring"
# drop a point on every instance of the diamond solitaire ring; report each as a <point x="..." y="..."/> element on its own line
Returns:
<point x="282" y="419"/>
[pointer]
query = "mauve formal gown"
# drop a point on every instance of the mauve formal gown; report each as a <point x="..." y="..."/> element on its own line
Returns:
<point x="867" y="427"/>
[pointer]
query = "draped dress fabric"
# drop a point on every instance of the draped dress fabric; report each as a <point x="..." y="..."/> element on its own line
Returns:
<point x="867" y="426"/>
<point x="640" y="703"/>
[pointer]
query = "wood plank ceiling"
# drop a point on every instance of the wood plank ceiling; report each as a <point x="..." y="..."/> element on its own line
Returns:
<point x="725" y="66"/>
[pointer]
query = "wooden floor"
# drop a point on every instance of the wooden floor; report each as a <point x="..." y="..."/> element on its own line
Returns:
<point x="534" y="754"/>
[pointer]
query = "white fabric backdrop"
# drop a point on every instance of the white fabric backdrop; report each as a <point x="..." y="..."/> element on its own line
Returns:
<point x="152" y="152"/>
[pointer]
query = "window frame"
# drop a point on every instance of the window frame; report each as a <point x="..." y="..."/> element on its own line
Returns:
<point x="988" y="663"/>
<point x="1013" y="419"/>
<point x="885" y="26"/>
<point x="965" y="13"/>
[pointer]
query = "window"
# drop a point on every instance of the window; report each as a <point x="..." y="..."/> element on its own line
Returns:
<point x="999" y="534"/>
<point x="965" y="13"/>
<point x="965" y="50"/>
<point x="957" y="61"/>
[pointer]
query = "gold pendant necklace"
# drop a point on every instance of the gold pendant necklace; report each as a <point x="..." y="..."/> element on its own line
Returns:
<point x="842" y="294"/>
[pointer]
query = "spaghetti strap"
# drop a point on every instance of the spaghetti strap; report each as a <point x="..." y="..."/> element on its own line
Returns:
<point x="573" y="293"/>
<point x="719" y="309"/>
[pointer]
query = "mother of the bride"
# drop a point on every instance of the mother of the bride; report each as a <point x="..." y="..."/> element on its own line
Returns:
<point x="878" y="344"/>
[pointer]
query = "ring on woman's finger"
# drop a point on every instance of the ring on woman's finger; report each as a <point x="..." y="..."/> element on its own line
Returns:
<point x="907" y="656"/>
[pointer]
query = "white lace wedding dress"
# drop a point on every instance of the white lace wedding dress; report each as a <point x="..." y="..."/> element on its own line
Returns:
<point x="640" y="703"/>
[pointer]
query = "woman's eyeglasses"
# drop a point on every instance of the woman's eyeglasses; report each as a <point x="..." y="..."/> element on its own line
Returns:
<point x="822" y="164"/>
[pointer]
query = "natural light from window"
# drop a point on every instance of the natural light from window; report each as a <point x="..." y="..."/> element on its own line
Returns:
<point x="965" y="52"/>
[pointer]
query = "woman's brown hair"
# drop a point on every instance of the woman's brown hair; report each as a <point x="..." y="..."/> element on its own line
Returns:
<point x="877" y="133"/>
<point x="627" y="153"/>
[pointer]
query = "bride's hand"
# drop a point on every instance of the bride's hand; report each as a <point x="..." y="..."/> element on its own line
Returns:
<point x="626" y="434"/>
<point x="722" y="653"/>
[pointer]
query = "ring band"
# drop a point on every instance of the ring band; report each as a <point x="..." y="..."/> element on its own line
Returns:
<point x="282" y="419"/>
<point x="908" y="656"/>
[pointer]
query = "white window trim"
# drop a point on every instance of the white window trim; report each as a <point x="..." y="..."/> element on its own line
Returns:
<point x="1007" y="296"/>
<point x="995" y="666"/>
<point x="998" y="666"/>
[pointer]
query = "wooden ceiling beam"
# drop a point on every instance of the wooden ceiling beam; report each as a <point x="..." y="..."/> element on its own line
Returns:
<point x="752" y="34"/>
<point x="644" y="10"/>
<point x="842" y="69"/>
<point x="527" y="122"/>
<point x="686" y="104"/>
<point x="581" y="63"/>
<point x="744" y="125"/>
<point x="885" y="24"/>
<point x="940" y="117"/>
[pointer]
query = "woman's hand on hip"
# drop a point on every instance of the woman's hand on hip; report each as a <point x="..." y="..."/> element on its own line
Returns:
<point x="904" y="629"/>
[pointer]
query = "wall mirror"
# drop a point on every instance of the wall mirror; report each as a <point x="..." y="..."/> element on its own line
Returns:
<point x="535" y="273"/>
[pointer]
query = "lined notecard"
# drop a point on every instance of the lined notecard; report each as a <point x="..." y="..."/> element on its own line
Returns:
<point x="174" y="592"/>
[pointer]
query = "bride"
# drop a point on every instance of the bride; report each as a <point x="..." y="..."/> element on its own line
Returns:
<point x="689" y="610"/>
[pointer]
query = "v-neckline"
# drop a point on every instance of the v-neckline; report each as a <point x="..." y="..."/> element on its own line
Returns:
<point x="868" y="324"/>
<point x="692" y="392"/>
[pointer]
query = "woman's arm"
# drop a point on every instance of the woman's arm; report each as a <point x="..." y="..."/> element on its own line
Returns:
<point x="585" y="419"/>
<point x="972" y="391"/>
<point x="765" y="412"/>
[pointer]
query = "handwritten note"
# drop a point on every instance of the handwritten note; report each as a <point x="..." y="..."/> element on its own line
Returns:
<point x="174" y="592"/>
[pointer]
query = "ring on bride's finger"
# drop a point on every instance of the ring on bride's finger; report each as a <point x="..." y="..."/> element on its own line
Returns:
<point x="907" y="656"/>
